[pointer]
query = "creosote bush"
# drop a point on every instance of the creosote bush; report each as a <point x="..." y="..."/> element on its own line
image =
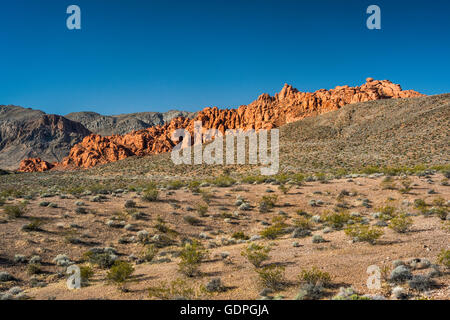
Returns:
<point x="150" y="194"/>
<point x="271" y="277"/>
<point x="120" y="272"/>
<point x="177" y="289"/>
<point x="256" y="254"/>
<point x="444" y="258"/>
<point x="401" y="223"/>
<point x="150" y="251"/>
<point x="276" y="229"/>
<point x="315" y="276"/>
<point x="337" y="220"/>
<point x="14" y="211"/>
<point x="364" y="233"/>
<point x="191" y="257"/>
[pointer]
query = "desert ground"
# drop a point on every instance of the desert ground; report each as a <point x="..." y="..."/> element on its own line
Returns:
<point x="302" y="225"/>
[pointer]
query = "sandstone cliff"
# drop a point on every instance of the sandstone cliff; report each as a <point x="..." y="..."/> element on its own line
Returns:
<point x="266" y="112"/>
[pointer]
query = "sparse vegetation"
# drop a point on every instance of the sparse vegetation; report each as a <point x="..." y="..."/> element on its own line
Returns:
<point x="401" y="223"/>
<point x="256" y="254"/>
<point x="191" y="257"/>
<point x="364" y="233"/>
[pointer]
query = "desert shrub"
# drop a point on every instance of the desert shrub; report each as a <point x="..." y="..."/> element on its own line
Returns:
<point x="401" y="223"/>
<point x="254" y="179"/>
<point x="150" y="194"/>
<point x="130" y="204"/>
<point x="303" y="223"/>
<point x="191" y="257"/>
<point x="150" y="251"/>
<point x="14" y="211"/>
<point x="444" y="258"/>
<point x="337" y="220"/>
<point x="2" y="202"/>
<point x="364" y="233"/>
<point x="256" y="254"/>
<point x="34" y="225"/>
<point x="102" y="259"/>
<point x="194" y="186"/>
<point x="284" y="188"/>
<point x="275" y="230"/>
<point x="271" y="277"/>
<point x="120" y="272"/>
<point x="406" y="185"/>
<point x="298" y="178"/>
<point x="387" y="211"/>
<point x="315" y="276"/>
<point x="175" y="185"/>
<point x="86" y="273"/>
<point x="192" y="220"/>
<point x="34" y="268"/>
<point x="223" y="181"/>
<point x="388" y="184"/>
<point x="160" y="225"/>
<point x="240" y="235"/>
<point x="201" y="209"/>
<point x="206" y="196"/>
<point x="176" y="289"/>
<point x="267" y="202"/>
<point x="310" y="292"/>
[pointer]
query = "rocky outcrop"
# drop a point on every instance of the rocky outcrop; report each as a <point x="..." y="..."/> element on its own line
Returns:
<point x="266" y="112"/>
<point x="34" y="165"/>
<point x="26" y="133"/>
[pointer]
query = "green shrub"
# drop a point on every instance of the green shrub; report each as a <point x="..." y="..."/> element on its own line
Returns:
<point x="120" y="272"/>
<point x="363" y="233"/>
<point x="271" y="277"/>
<point x="401" y="223"/>
<point x="103" y="260"/>
<point x="444" y="258"/>
<point x="86" y="273"/>
<point x="194" y="186"/>
<point x="34" y="225"/>
<point x="267" y="202"/>
<point x="14" y="211"/>
<point x="34" y="268"/>
<point x="303" y="223"/>
<point x="256" y="254"/>
<point x="191" y="257"/>
<point x="193" y="221"/>
<point x="337" y="220"/>
<point x="406" y="186"/>
<point x="175" y="185"/>
<point x="315" y="277"/>
<point x="275" y="230"/>
<point x="149" y="252"/>
<point x="223" y="181"/>
<point x="160" y="225"/>
<point x="201" y="209"/>
<point x="284" y="188"/>
<point x="176" y="289"/>
<point x="150" y="194"/>
<point x="239" y="235"/>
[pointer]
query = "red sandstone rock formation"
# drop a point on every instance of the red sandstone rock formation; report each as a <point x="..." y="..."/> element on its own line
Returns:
<point x="265" y="113"/>
<point x="34" y="165"/>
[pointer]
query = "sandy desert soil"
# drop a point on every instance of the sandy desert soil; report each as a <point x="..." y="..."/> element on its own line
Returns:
<point x="63" y="230"/>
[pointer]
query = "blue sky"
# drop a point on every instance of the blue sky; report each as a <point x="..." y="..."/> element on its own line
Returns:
<point x="134" y="55"/>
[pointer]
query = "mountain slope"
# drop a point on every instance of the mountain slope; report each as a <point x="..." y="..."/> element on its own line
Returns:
<point x="124" y="123"/>
<point x="26" y="133"/>
<point x="383" y="133"/>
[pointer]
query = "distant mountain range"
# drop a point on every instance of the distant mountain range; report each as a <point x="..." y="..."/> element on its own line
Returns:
<point x="28" y="133"/>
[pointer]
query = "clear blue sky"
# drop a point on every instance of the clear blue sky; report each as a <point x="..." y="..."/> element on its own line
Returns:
<point x="156" y="55"/>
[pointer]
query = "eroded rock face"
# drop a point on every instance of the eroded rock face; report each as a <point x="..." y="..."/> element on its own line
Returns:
<point x="266" y="112"/>
<point x="34" y="165"/>
<point x="26" y="133"/>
